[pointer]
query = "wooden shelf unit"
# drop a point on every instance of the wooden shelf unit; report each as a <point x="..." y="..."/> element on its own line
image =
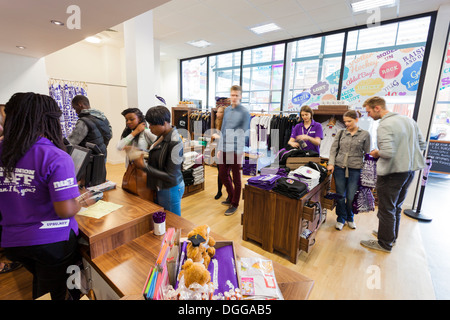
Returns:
<point x="277" y="221"/>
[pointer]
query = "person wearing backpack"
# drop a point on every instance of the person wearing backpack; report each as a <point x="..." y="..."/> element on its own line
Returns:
<point x="92" y="125"/>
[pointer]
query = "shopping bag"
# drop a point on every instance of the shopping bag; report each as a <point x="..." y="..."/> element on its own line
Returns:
<point x="368" y="176"/>
<point x="364" y="200"/>
<point x="135" y="181"/>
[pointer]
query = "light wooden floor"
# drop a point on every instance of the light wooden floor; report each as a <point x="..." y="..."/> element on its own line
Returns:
<point x="339" y="265"/>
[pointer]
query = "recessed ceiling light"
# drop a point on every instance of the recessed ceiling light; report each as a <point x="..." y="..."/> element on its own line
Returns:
<point x="265" y="28"/>
<point x="21" y="47"/>
<point x="57" y="23"/>
<point x="371" y="4"/>
<point x="199" y="43"/>
<point x="93" y="39"/>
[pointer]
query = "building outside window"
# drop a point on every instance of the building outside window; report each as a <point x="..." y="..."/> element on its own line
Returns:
<point x="262" y="78"/>
<point x="193" y="80"/>
<point x="224" y="72"/>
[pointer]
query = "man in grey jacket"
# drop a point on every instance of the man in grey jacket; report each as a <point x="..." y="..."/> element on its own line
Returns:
<point x="92" y="125"/>
<point x="400" y="154"/>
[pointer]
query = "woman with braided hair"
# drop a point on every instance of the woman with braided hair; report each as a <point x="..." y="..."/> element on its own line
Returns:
<point x="38" y="191"/>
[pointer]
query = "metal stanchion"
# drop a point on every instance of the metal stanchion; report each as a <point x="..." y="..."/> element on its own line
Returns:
<point x="417" y="214"/>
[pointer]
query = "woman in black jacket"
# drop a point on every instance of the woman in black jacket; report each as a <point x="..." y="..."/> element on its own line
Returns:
<point x="164" y="162"/>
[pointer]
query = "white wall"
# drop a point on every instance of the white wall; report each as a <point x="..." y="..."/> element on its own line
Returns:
<point x="170" y="82"/>
<point x="21" y="74"/>
<point x="103" y="69"/>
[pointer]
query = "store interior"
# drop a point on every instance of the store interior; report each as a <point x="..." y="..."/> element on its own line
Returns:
<point x="144" y="52"/>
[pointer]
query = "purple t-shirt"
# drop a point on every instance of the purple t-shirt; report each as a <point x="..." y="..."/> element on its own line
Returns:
<point x="314" y="131"/>
<point x="44" y="175"/>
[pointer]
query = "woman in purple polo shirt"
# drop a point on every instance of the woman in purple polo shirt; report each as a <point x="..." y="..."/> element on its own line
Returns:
<point x="307" y="134"/>
<point x="38" y="191"/>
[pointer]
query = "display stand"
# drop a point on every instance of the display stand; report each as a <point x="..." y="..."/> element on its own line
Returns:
<point x="277" y="222"/>
<point x="417" y="214"/>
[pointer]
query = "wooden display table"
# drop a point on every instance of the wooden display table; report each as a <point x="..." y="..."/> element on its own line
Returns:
<point x="125" y="267"/>
<point x="132" y="220"/>
<point x="277" y="221"/>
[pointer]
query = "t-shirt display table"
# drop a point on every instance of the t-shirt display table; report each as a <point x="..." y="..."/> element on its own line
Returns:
<point x="277" y="221"/>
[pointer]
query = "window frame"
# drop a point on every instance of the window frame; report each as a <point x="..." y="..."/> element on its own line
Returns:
<point x="346" y="31"/>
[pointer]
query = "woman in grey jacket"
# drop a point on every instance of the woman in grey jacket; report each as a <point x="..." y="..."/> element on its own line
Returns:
<point x="345" y="162"/>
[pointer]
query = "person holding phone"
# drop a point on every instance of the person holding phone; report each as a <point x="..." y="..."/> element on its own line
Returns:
<point x="136" y="133"/>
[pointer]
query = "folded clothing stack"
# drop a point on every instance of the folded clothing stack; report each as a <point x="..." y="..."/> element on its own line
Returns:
<point x="188" y="177"/>
<point x="266" y="182"/>
<point x="290" y="188"/>
<point x="281" y="171"/>
<point x="191" y="158"/>
<point x="306" y="175"/>
<point x="198" y="172"/>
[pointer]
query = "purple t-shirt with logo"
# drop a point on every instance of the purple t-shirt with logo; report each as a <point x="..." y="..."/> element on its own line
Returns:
<point x="314" y="131"/>
<point x="44" y="175"/>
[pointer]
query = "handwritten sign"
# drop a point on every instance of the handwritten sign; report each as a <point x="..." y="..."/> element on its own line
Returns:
<point x="439" y="152"/>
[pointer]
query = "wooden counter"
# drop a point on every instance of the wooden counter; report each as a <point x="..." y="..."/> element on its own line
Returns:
<point x="125" y="267"/>
<point x="120" y="226"/>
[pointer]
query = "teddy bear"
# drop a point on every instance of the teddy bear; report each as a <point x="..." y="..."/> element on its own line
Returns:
<point x="201" y="245"/>
<point x="194" y="272"/>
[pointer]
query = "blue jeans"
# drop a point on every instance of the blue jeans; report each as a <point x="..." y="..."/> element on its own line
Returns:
<point x="346" y="187"/>
<point x="170" y="198"/>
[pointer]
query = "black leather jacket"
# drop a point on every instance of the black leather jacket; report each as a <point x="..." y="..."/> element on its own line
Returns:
<point x="164" y="163"/>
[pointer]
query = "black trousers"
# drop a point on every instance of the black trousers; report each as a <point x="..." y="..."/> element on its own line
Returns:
<point x="48" y="264"/>
<point x="392" y="190"/>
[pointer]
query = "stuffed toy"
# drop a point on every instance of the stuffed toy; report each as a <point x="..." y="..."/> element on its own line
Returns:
<point x="194" y="272"/>
<point x="201" y="245"/>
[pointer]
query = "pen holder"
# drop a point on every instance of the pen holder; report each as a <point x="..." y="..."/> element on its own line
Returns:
<point x="159" y="223"/>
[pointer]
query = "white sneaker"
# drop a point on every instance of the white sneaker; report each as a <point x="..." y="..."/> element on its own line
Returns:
<point x="352" y="225"/>
<point x="339" y="225"/>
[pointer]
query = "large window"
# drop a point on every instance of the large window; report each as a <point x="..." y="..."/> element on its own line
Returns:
<point x="315" y="71"/>
<point x="224" y="72"/>
<point x="440" y="128"/>
<point x="194" y="79"/>
<point x="262" y="78"/>
<point x="383" y="60"/>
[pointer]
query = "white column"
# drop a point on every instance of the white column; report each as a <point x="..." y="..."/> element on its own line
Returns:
<point x="142" y="75"/>
<point x="430" y="89"/>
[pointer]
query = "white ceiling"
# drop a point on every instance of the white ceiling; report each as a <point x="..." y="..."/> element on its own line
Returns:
<point x="223" y="23"/>
<point x="27" y="22"/>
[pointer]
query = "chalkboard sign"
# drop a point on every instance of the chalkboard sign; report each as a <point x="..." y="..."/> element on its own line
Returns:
<point x="439" y="152"/>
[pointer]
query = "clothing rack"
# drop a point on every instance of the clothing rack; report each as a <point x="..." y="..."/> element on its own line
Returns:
<point x="82" y="83"/>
